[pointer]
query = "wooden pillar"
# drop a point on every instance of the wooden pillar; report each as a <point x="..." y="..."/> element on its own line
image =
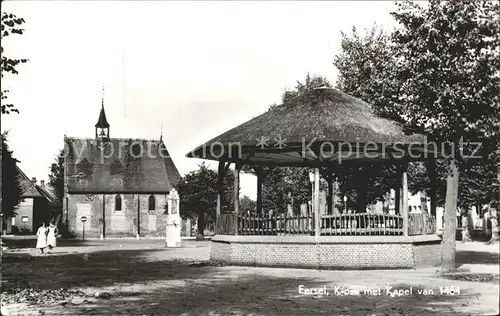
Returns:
<point x="103" y="216"/>
<point x="330" y="194"/>
<point x="335" y="196"/>
<point x="404" y="188"/>
<point x="317" y="219"/>
<point x="401" y="209"/>
<point x="237" y="169"/>
<point x="221" y="172"/>
<point x="433" y="184"/>
<point x="397" y="191"/>
<point x="138" y="216"/>
<point x="260" y="179"/>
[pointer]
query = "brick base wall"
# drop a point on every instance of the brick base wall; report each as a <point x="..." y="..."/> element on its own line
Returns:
<point x="329" y="252"/>
<point x="426" y="255"/>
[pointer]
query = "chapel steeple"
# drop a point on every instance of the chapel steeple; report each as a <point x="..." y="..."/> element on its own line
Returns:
<point x="102" y="125"/>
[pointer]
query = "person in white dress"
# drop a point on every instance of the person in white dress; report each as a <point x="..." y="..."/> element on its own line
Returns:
<point x="52" y="236"/>
<point x="41" y="241"/>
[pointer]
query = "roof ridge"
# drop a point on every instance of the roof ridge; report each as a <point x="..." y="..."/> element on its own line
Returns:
<point x="168" y="163"/>
<point x="46" y="193"/>
<point x="111" y="138"/>
<point x="26" y="179"/>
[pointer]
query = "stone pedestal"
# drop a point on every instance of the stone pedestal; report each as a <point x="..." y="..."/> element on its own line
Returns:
<point x="173" y="229"/>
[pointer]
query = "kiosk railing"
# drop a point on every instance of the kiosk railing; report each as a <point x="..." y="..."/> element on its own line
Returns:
<point x="331" y="225"/>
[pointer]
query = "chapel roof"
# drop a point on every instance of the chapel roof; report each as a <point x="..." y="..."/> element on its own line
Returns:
<point x="119" y="165"/>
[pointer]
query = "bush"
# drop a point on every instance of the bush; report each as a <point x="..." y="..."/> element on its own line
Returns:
<point x="64" y="231"/>
<point x="24" y="230"/>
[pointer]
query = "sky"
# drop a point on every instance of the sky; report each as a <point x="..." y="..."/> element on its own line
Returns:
<point x="197" y="68"/>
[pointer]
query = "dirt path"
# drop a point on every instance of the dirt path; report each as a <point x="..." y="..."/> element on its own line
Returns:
<point x="143" y="278"/>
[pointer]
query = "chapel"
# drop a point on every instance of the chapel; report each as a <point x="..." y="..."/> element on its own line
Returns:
<point x="116" y="187"/>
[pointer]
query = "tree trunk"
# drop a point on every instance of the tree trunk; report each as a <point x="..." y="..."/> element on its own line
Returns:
<point x="386" y="203"/>
<point x="361" y="200"/>
<point x="466" y="232"/>
<point x="494" y="219"/>
<point x="200" y="234"/>
<point x="494" y="227"/>
<point x="450" y="219"/>
<point x="431" y="169"/>
<point x="423" y="203"/>
<point x="495" y="237"/>
<point x="4" y="226"/>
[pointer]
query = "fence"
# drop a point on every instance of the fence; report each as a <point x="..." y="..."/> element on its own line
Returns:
<point x="343" y="224"/>
<point x="225" y="224"/>
<point x="362" y="224"/>
<point x="421" y="224"/>
<point x="275" y="225"/>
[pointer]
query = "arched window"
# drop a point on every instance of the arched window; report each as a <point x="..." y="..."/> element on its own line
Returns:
<point x="118" y="202"/>
<point x="152" y="203"/>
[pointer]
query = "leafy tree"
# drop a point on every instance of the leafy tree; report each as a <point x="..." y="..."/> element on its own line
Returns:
<point x="198" y="193"/>
<point x="492" y="193"/>
<point x="299" y="187"/>
<point x="438" y="75"/>
<point x="365" y="65"/>
<point x="11" y="186"/>
<point x="365" y="184"/>
<point x="56" y="182"/>
<point x="10" y="25"/>
<point x="274" y="193"/>
<point x="248" y="206"/>
<point x="446" y="67"/>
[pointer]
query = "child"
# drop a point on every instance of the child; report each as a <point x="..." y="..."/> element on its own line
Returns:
<point x="41" y="241"/>
<point x="51" y="236"/>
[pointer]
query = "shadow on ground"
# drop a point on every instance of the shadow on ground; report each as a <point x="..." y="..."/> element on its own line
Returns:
<point x="477" y="257"/>
<point x="258" y="295"/>
<point x="95" y="269"/>
<point x="24" y="243"/>
<point x="173" y="287"/>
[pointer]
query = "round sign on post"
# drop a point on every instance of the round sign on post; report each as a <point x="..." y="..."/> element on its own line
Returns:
<point x="83" y="219"/>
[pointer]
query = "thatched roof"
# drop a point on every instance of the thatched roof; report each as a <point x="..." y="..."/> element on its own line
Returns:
<point x="119" y="166"/>
<point x="319" y="116"/>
